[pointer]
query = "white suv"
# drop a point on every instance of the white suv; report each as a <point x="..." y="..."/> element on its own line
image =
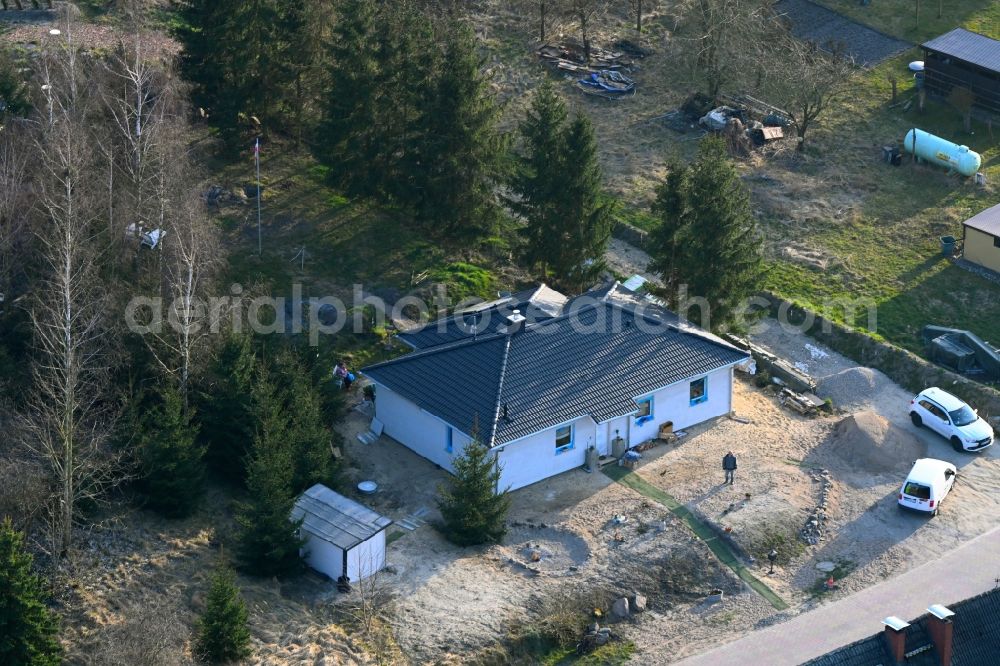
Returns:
<point x="952" y="419"/>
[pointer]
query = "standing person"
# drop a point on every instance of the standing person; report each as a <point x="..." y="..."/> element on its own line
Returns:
<point x="345" y="376"/>
<point x="729" y="465"/>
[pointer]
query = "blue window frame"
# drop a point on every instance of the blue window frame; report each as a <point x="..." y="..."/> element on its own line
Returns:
<point x="699" y="391"/>
<point x="564" y="438"/>
<point x="449" y="444"/>
<point x="645" y="412"/>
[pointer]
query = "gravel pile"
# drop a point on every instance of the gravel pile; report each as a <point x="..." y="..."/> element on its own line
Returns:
<point x="854" y="389"/>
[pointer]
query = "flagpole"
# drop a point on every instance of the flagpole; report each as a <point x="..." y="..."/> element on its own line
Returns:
<point x="256" y="154"/>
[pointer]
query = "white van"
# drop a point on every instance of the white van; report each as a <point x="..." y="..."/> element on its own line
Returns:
<point x="926" y="486"/>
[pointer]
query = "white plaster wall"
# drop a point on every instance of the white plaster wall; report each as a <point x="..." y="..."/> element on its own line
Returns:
<point x="366" y="558"/>
<point x="533" y="458"/>
<point x="323" y="556"/>
<point x="416" y="429"/>
<point x="673" y="404"/>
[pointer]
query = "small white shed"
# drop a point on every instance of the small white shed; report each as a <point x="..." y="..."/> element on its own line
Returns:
<point x="341" y="535"/>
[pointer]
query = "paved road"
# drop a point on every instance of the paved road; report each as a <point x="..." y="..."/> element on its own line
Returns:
<point x="965" y="572"/>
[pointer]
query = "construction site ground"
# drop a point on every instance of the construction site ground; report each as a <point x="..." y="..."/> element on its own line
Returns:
<point x="570" y="520"/>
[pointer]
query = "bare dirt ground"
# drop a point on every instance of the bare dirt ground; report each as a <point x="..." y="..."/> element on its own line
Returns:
<point x="569" y="521"/>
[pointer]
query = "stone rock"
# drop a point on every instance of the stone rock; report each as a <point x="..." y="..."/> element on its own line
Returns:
<point x="594" y="628"/>
<point x="601" y="639"/>
<point x="638" y="603"/>
<point x="620" y="608"/>
<point x="826" y="566"/>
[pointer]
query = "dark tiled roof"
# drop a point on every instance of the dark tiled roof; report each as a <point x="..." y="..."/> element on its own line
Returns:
<point x="535" y="304"/>
<point x="976" y="640"/>
<point x="593" y="360"/>
<point x="968" y="46"/>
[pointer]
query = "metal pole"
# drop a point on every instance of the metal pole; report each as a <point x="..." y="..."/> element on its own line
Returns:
<point x="256" y="154"/>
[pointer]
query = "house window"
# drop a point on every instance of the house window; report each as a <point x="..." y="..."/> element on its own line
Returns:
<point x="564" y="438"/>
<point x="645" y="412"/>
<point x="699" y="391"/>
<point x="449" y="442"/>
<point x="996" y="241"/>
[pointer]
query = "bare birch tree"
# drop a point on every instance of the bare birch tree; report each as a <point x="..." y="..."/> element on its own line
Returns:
<point x="13" y="197"/>
<point x="140" y="96"/>
<point x="69" y="416"/>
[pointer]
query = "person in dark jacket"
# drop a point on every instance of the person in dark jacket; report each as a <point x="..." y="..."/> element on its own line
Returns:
<point x="729" y="465"/>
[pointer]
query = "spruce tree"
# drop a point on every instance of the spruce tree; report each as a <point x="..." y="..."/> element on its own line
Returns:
<point x="308" y="438"/>
<point x="585" y="213"/>
<point x="536" y="181"/>
<point x="173" y="459"/>
<point x="473" y="510"/>
<point x="223" y="634"/>
<point x="463" y="151"/>
<point x="347" y="137"/>
<point x="28" y="629"/>
<point x="239" y="56"/>
<point x="708" y="239"/>
<point x="269" y="540"/>
<point x="226" y="408"/>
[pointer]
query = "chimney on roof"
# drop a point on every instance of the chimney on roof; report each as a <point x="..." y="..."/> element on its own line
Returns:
<point x="942" y="631"/>
<point x="895" y="637"/>
<point x="515" y="322"/>
<point x="506" y="417"/>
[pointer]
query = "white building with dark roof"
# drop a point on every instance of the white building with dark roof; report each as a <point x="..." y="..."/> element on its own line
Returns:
<point x="540" y="394"/>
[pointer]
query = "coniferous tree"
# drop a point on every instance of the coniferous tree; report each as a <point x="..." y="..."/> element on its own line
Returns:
<point x="223" y="634"/>
<point x="537" y="179"/>
<point x="472" y="509"/>
<point x="347" y="137"/>
<point x="243" y="58"/>
<point x="226" y="408"/>
<point x="269" y="540"/>
<point x="173" y="459"/>
<point x="707" y="238"/>
<point x="27" y="628"/>
<point x="308" y="438"/>
<point x="584" y="211"/>
<point x="463" y="150"/>
<point x="409" y="59"/>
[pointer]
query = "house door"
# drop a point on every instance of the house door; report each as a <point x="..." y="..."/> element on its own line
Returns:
<point x="602" y="439"/>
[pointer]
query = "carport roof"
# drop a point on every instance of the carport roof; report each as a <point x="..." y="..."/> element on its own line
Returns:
<point x="334" y="518"/>
<point x="968" y="46"/>
<point x="987" y="221"/>
<point x="594" y="360"/>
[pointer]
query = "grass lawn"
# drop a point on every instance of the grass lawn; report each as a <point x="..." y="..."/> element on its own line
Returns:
<point x="900" y="19"/>
<point x="885" y="245"/>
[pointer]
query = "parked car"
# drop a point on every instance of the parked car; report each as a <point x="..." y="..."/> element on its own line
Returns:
<point x="952" y="419"/>
<point x="926" y="486"/>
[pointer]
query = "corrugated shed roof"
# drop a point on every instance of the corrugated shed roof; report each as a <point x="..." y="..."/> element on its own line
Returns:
<point x="987" y="221"/>
<point x="968" y="46"/>
<point x="976" y="639"/>
<point x="337" y="519"/>
<point x="535" y="304"/>
<point x="592" y="361"/>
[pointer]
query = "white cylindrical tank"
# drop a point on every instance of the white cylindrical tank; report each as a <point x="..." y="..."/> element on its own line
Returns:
<point x="934" y="149"/>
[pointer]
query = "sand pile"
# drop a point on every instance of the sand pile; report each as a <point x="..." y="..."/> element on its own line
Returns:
<point x="854" y="388"/>
<point x="867" y="442"/>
